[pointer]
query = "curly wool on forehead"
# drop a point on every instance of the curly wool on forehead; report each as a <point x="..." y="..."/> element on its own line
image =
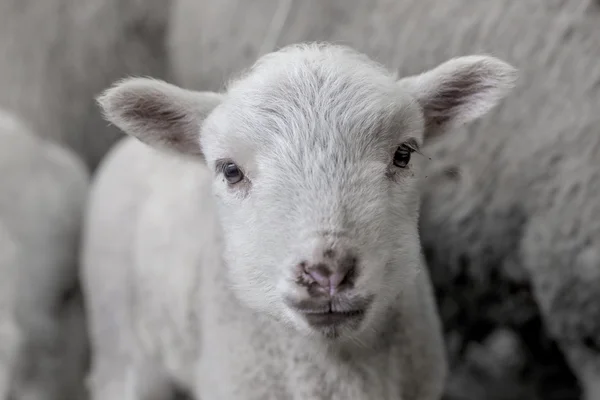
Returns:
<point x="316" y="86"/>
<point x="312" y="68"/>
<point x="318" y="57"/>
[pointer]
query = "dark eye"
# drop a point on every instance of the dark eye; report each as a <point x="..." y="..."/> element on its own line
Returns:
<point x="232" y="173"/>
<point x="402" y="156"/>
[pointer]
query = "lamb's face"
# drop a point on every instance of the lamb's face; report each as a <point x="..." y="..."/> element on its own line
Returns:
<point x="316" y="162"/>
<point x="315" y="178"/>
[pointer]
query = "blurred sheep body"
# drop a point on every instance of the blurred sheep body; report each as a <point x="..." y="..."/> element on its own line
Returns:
<point x="57" y="54"/>
<point x="43" y="341"/>
<point x="207" y="289"/>
<point x="498" y="198"/>
<point x="524" y="223"/>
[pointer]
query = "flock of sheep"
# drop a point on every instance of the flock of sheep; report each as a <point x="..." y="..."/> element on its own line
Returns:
<point x="287" y="236"/>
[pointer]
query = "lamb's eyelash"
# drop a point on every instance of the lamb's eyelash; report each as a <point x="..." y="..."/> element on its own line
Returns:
<point x="413" y="145"/>
<point x="220" y="164"/>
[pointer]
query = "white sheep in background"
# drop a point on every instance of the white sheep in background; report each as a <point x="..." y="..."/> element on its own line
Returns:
<point x="524" y="218"/>
<point x="278" y="255"/>
<point x="43" y="342"/>
<point x="56" y="55"/>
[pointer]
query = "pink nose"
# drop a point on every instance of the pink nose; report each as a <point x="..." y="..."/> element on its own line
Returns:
<point x="330" y="274"/>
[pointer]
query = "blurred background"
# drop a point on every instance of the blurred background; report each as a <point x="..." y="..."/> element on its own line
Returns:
<point x="57" y="55"/>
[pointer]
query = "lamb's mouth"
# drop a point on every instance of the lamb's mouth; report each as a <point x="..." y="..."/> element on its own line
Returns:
<point x="337" y="312"/>
<point x="333" y="318"/>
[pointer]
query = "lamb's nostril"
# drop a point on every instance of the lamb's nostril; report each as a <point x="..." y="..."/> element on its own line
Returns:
<point x="321" y="274"/>
<point x="337" y="279"/>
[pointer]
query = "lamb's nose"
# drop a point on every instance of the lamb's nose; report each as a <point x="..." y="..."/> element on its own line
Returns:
<point x="332" y="274"/>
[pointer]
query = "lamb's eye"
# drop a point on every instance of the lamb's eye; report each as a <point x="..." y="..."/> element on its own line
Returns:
<point x="402" y="156"/>
<point x="232" y="173"/>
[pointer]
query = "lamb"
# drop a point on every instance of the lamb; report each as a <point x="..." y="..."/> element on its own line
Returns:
<point x="43" y="340"/>
<point x="474" y="222"/>
<point x="57" y="54"/>
<point x="263" y="242"/>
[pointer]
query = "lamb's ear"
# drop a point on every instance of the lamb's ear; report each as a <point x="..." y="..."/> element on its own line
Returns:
<point x="460" y="90"/>
<point x="159" y="114"/>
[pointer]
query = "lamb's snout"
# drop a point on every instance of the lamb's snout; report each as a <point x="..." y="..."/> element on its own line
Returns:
<point x="329" y="272"/>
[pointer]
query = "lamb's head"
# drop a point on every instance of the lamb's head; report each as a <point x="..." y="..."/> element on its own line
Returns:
<point x="316" y="162"/>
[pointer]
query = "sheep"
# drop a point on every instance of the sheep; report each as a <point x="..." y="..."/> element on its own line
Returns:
<point x="529" y="214"/>
<point x="57" y="54"/>
<point x="472" y="228"/>
<point x="43" y="337"/>
<point x="262" y="242"/>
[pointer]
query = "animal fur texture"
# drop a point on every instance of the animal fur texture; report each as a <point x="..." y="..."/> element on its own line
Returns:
<point x="43" y="343"/>
<point x="205" y="245"/>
